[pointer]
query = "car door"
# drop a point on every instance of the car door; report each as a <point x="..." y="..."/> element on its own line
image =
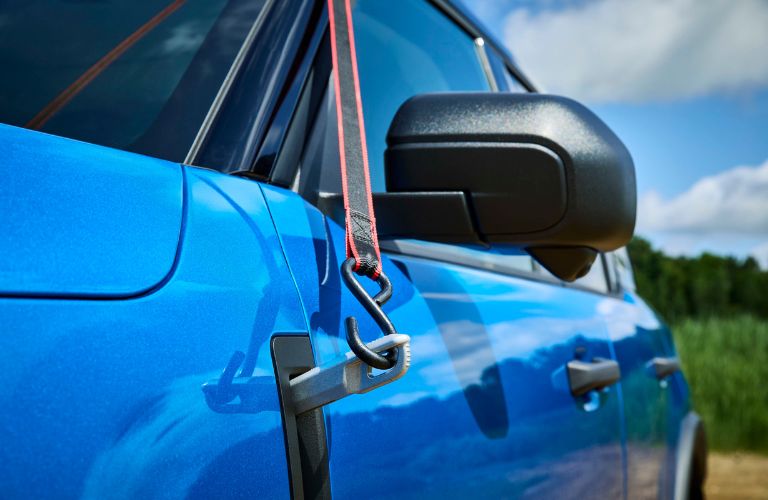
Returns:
<point x="485" y="409"/>
<point x="655" y="392"/>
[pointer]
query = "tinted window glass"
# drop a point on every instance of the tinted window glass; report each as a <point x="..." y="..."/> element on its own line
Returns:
<point x="503" y="258"/>
<point x="133" y="75"/>
<point x="596" y="279"/>
<point x="504" y="79"/>
<point x="623" y="269"/>
<point x="404" y="48"/>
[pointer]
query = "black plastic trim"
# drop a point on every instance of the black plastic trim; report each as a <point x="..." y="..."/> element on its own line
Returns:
<point x="499" y="169"/>
<point x="278" y="157"/>
<point x="234" y="72"/>
<point x="442" y="216"/>
<point x="546" y="171"/>
<point x="241" y="124"/>
<point x="305" y="435"/>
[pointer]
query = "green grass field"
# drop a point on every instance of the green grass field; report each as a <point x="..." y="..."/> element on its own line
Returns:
<point x="726" y="365"/>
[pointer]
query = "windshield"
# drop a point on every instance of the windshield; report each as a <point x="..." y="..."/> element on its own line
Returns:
<point x="138" y="76"/>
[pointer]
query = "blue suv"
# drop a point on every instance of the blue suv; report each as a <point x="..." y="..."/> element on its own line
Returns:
<point x="172" y="232"/>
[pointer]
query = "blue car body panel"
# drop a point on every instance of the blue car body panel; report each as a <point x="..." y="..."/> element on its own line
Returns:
<point x="127" y="282"/>
<point x="82" y="220"/>
<point x="485" y="409"/>
<point x="103" y="399"/>
<point x="653" y="408"/>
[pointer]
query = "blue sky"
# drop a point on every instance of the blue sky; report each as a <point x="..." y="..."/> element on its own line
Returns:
<point x="684" y="84"/>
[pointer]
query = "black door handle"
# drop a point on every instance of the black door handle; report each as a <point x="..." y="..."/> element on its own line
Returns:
<point x="664" y="367"/>
<point x="585" y="377"/>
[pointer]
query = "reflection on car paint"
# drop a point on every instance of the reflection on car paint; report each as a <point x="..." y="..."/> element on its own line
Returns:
<point x="654" y="410"/>
<point x="482" y="410"/>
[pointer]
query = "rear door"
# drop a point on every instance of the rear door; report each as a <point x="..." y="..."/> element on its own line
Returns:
<point x="485" y="409"/>
<point x="655" y="393"/>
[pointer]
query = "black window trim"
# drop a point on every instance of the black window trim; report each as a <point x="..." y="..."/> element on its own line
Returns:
<point x="313" y="69"/>
<point x="310" y="14"/>
<point x="234" y="72"/>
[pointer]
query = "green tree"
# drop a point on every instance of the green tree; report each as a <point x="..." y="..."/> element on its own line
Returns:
<point x="705" y="286"/>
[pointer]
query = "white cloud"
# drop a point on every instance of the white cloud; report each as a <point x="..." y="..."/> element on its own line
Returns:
<point x="184" y="38"/>
<point x="641" y="50"/>
<point x="726" y="213"/>
<point x="732" y="201"/>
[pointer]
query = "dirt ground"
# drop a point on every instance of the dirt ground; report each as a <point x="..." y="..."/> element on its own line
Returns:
<point x="737" y="476"/>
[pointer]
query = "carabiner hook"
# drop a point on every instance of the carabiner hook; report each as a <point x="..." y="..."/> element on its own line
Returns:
<point x="382" y="361"/>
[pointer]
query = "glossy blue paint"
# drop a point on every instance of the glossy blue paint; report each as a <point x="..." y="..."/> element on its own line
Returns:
<point x="84" y="220"/>
<point x="653" y="409"/>
<point x="485" y="408"/>
<point x="102" y="398"/>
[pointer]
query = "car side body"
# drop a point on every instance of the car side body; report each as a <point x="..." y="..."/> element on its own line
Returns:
<point x="132" y="276"/>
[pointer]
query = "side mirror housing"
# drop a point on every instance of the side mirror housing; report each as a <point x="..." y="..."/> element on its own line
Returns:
<point x="539" y="171"/>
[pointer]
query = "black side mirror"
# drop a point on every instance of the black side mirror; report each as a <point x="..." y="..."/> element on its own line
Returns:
<point x="535" y="170"/>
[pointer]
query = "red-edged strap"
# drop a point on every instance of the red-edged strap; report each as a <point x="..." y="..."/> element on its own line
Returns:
<point x="362" y="240"/>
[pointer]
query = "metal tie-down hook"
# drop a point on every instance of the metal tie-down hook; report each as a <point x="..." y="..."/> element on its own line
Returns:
<point x="352" y="373"/>
<point x="387" y="359"/>
<point x="349" y="373"/>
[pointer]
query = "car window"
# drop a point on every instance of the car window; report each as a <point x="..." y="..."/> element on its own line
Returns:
<point x="504" y="78"/>
<point x="623" y="274"/>
<point x="596" y="279"/>
<point x="138" y="76"/>
<point x="398" y="58"/>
